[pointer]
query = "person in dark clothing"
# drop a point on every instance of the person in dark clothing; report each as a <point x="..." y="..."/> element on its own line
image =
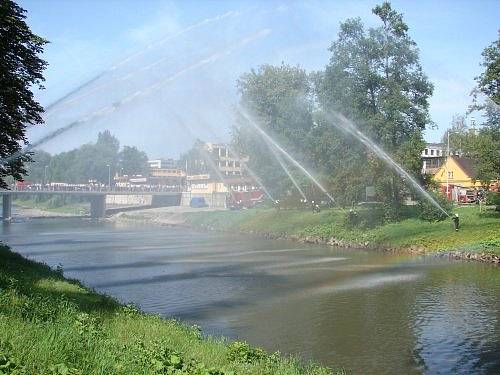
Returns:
<point x="456" y="222"/>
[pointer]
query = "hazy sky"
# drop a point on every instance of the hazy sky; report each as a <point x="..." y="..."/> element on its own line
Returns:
<point x="198" y="49"/>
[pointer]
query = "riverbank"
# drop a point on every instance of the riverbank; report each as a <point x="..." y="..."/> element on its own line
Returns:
<point x="477" y="239"/>
<point x="30" y="208"/>
<point x="49" y="324"/>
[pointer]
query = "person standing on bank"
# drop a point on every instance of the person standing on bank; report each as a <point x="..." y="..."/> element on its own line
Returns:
<point x="456" y="222"/>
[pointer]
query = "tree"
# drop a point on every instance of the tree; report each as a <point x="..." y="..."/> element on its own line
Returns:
<point x="132" y="161"/>
<point x="194" y="160"/>
<point x="489" y="81"/>
<point x="483" y="145"/>
<point x="375" y="78"/>
<point x="20" y="69"/>
<point x="38" y="171"/>
<point x="280" y="98"/>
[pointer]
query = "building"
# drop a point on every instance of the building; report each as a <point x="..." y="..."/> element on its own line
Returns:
<point x="209" y="184"/>
<point x="172" y="178"/>
<point x="227" y="163"/>
<point x="457" y="171"/>
<point x="433" y="157"/>
<point x="162" y="164"/>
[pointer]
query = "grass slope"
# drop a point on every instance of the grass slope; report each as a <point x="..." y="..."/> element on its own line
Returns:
<point x="478" y="231"/>
<point x="51" y="325"/>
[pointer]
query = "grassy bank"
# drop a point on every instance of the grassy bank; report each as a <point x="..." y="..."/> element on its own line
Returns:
<point x="81" y="208"/>
<point x="51" y="325"/>
<point x="479" y="232"/>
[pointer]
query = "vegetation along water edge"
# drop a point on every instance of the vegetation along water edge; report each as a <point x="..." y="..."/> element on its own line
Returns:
<point x="477" y="239"/>
<point x="53" y="325"/>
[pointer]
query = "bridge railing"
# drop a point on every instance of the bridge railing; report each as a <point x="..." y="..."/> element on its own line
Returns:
<point x="98" y="188"/>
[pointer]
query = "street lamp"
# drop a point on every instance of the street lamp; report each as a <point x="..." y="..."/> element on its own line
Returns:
<point x="109" y="175"/>
<point x="45" y="174"/>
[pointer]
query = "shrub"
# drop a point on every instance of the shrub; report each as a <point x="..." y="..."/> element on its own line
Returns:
<point x="492" y="198"/>
<point x="429" y="212"/>
<point x="244" y="353"/>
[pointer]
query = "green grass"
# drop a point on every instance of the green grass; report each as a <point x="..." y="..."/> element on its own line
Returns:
<point x="51" y="325"/>
<point x="478" y="231"/>
<point x="68" y="208"/>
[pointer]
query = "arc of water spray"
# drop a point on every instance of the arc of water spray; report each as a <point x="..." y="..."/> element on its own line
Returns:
<point x="108" y="109"/>
<point x="139" y="53"/>
<point x="286" y="154"/>
<point x="285" y="168"/>
<point x="350" y="128"/>
<point x="88" y="93"/>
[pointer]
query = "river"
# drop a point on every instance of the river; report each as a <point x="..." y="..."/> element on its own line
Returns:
<point x="370" y="312"/>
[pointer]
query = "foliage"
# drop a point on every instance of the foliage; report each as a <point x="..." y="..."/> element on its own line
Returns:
<point x="195" y="159"/>
<point x="476" y="228"/>
<point x="88" y="162"/>
<point x="279" y="97"/>
<point x="430" y="212"/>
<point x="489" y="81"/>
<point x="20" y="70"/>
<point x="51" y="325"/>
<point x="493" y="199"/>
<point x="132" y="161"/>
<point x="375" y="79"/>
<point x="242" y="352"/>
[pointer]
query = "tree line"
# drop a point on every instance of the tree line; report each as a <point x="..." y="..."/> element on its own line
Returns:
<point x="92" y="161"/>
<point x="374" y="78"/>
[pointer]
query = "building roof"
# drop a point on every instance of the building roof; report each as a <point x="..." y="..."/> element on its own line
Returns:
<point x="467" y="165"/>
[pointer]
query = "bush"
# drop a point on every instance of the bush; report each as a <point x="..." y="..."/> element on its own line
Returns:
<point x="492" y="198"/>
<point x="365" y="218"/>
<point x="244" y="353"/>
<point x="429" y="212"/>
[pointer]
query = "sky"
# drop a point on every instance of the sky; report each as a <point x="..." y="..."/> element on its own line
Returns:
<point x="167" y="70"/>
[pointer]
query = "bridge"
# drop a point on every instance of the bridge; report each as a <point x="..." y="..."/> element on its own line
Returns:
<point x="97" y="198"/>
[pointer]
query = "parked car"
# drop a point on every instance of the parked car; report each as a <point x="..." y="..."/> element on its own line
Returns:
<point x="198" y="202"/>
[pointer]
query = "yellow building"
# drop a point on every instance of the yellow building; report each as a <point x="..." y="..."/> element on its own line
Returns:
<point x="457" y="171"/>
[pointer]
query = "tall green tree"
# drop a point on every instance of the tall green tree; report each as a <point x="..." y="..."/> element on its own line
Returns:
<point x="375" y="78"/>
<point x="20" y="69"/>
<point x="38" y="171"/>
<point x="489" y="80"/>
<point x="131" y="161"/>
<point x="485" y="145"/>
<point x="280" y="99"/>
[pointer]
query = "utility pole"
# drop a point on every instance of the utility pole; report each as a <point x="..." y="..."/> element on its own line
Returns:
<point x="109" y="175"/>
<point x="45" y="174"/>
<point x="447" y="172"/>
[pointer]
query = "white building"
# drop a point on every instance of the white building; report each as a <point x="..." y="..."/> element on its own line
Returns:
<point x="228" y="164"/>
<point x="162" y="164"/>
<point x="433" y="156"/>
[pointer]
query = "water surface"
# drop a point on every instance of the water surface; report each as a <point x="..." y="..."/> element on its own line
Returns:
<point x="370" y="312"/>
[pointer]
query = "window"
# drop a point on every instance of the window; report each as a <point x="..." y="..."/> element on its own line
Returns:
<point x="450" y="174"/>
<point x="237" y="164"/>
<point x="432" y="152"/>
<point x="426" y="152"/>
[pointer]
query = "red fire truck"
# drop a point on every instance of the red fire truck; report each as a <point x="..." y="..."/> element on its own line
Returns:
<point x="244" y="199"/>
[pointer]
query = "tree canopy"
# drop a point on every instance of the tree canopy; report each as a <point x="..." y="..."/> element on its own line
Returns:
<point x="374" y="78"/>
<point x="88" y="162"/>
<point x="20" y="69"/>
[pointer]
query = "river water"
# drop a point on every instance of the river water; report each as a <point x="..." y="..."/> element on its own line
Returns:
<point x="369" y="312"/>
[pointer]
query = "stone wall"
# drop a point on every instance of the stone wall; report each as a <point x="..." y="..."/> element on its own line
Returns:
<point x="128" y="200"/>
